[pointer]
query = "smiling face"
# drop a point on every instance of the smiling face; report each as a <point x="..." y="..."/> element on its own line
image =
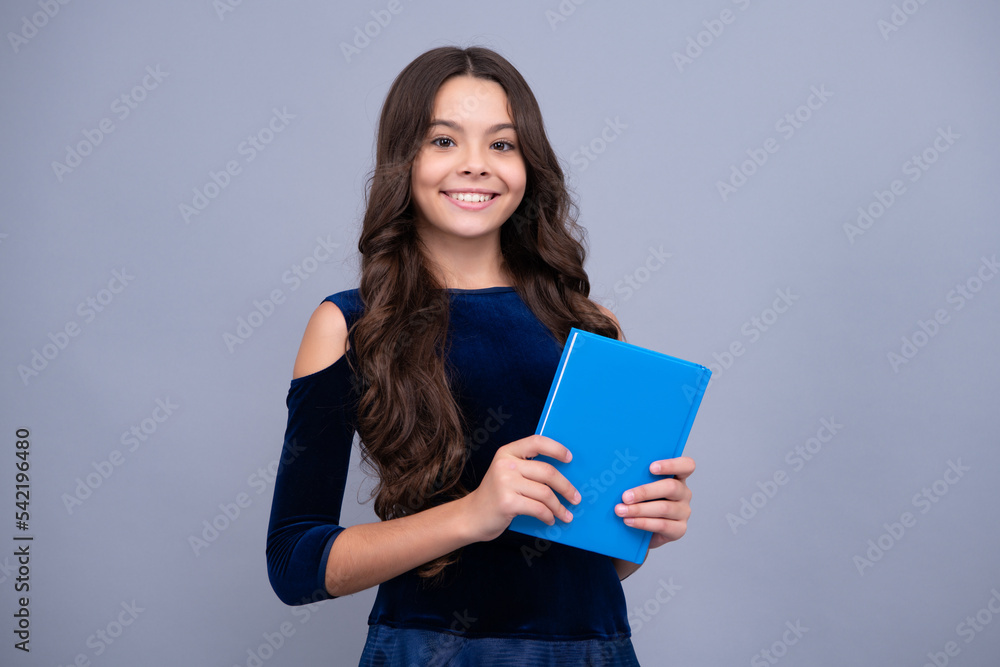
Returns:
<point x="469" y="175"/>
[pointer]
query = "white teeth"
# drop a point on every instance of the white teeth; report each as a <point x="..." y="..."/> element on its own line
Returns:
<point x="470" y="197"/>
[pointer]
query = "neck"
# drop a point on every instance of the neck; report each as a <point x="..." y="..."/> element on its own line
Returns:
<point x="465" y="263"/>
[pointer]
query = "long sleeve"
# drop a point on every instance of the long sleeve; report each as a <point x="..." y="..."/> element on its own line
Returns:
<point x="309" y="488"/>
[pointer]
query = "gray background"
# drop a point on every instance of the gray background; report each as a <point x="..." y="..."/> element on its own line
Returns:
<point x="732" y="586"/>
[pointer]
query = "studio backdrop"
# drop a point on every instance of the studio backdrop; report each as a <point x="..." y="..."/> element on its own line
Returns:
<point x="801" y="196"/>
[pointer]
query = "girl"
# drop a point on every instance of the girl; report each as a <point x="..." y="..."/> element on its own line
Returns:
<point x="471" y="277"/>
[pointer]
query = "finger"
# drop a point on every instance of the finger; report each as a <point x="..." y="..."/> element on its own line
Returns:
<point x="668" y="489"/>
<point x="534" y="445"/>
<point x="667" y="529"/>
<point x="546" y="473"/>
<point x="544" y="504"/>
<point x="654" y="509"/>
<point x="681" y="467"/>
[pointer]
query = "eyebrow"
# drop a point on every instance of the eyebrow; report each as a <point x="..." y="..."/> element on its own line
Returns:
<point x="493" y="129"/>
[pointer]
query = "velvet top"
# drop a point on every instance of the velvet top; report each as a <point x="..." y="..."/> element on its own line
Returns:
<point x="501" y="363"/>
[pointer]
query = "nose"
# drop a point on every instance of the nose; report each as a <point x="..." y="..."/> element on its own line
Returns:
<point x="474" y="161"/>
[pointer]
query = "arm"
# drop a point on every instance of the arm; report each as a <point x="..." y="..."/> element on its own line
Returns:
<point x="625" y="568"/>
<point x="311" y="477"/>
<point x="367" y="554"/>
<point x="361" y="556"/>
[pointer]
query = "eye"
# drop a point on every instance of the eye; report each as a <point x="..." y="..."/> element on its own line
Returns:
<point x="435" y="141"/>
<point x="505" y="145"/>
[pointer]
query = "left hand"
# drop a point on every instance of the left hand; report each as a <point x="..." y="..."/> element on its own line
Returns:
<point x="661" y="507"/>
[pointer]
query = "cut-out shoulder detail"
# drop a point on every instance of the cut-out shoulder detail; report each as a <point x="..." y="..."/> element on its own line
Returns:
<point x="320" y="374"/>
<point x="324" y="341"/>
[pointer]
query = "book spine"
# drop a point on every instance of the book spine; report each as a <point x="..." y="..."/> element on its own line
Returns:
<point x="555" y="387"/>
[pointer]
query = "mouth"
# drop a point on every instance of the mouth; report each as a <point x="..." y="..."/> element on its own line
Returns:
<point x="474" y="197"/>
<point x="471" y="200"/>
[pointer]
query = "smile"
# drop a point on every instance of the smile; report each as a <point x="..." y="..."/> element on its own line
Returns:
<point x="471" y="201"/>
<point x="470" y="196"/>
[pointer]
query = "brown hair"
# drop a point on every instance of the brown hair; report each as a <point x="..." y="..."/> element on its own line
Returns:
<point x="411" y="429"/>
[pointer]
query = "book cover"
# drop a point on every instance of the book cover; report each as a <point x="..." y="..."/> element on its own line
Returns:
<point x="617" y="407"/>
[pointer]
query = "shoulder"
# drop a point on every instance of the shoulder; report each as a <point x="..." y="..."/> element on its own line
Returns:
<point x="605" y="311"/>
<point x="347" y="302"/>
<point x="326" y="336"/>
<point x="608" y="313"/>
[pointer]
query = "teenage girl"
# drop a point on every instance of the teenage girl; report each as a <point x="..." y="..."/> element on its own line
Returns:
<point x="471" y="277"/>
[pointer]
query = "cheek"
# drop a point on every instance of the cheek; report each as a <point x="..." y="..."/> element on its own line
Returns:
<point x="517" y="180"/>
<point x="426" y="172"/>
<point x="423" y="184"/>
<point x="418" y="177"/>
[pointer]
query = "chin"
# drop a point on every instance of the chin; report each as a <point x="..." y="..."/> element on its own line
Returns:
<point x="466" y="228"/>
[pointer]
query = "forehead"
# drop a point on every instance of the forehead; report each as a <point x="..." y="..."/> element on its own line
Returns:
<point x="471" y="100"/>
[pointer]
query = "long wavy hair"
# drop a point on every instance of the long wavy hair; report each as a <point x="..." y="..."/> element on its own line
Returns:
<point x="411" y="429"/>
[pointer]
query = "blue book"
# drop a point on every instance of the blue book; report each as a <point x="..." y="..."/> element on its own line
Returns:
<point x="617" y="407"/>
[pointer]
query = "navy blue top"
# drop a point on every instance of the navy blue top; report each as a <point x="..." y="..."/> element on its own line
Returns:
<point x="502" y="360"/>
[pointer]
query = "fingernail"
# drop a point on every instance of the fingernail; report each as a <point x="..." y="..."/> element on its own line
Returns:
<point x="620" y="510"/>
<point x="569" y="516"/>
<point x="577" y="498"/>
<point x="629" y="522"/>
<point x="655" y="468"/>
<point x="629" y="496"/>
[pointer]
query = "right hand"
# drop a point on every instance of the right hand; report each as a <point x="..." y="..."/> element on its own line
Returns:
<point x="515" y="484"/>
